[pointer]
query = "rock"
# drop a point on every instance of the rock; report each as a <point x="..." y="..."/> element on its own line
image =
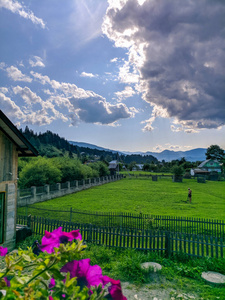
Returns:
<point x="153" y="265"/>
<point x="214" y="277"/>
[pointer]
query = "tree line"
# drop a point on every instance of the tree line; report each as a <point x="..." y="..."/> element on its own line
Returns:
<point x="60" y="161"/>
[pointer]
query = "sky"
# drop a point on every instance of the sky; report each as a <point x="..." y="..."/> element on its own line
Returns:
<point x="128" y="75"/>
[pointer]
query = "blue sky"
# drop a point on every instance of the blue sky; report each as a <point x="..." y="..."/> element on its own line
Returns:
<point x="129" y="75"/>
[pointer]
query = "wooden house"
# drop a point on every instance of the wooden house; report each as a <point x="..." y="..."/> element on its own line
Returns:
<point x="13" y="144"/>
<point x="113" y="167"/>
<point x="211" y="165"/>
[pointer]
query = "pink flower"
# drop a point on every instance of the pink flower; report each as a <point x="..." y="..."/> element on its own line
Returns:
<point x="6" y="281"/>
<point x="51" y="298"/>
<point x="3" y="251"/>
<point x="114" y="289"/>
<point x="52" y="283"/>
<point x="53" y="239"/>
<point x="86" y="274"/>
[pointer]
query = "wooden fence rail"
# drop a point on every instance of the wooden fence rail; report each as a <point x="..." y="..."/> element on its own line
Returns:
<point x="134" y="221"/>
<point x="163" y="242"/>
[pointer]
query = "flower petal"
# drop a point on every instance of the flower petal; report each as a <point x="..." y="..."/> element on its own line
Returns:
<point x="3" y="251"/>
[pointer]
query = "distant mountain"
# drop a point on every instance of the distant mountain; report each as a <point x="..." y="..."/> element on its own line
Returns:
<point x="91" y="146"/>
<point x="190" y="155"/>
<point x="197" y="154"/>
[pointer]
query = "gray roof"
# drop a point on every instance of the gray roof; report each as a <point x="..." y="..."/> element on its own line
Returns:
<point x="113" y="164"/>
<point x="23" y="146"/>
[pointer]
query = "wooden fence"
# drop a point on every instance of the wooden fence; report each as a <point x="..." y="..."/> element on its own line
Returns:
<point x="163" y="242"/>
<point x="134" y="221"/>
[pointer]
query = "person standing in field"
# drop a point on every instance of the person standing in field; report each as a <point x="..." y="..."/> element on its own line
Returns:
<point x="189" y="194"/>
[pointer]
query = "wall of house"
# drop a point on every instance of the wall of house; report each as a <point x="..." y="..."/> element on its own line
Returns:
<point x="8" y="184"/>
<point x="212" y="166"/>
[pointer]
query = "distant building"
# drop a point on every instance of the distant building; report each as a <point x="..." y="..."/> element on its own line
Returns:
<point x="138" y="167"/>
<point x="206" y="167"/>
<point x="113" y="167"/>
<point x="13" y="144"/>
<point x="211" y="165"/>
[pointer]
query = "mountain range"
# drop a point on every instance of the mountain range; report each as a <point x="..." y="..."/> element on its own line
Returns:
<point x="197" y="154"/>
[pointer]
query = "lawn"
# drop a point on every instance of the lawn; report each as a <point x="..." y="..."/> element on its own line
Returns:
<point x="142" y="195"/>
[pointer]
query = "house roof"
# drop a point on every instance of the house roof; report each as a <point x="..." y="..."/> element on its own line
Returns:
<point x="200" y="171"/>
<point x="206" y="161"/>
<point x="24" y="147"/>
<point x="113" y="164"/>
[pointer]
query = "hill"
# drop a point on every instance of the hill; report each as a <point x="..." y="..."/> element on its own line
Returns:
<point x="193" y="155"/>
<point x="52" y="145"/>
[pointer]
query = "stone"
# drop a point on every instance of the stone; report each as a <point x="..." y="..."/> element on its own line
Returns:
<point x="214" y="277"/>
<point x="155" y="266"/>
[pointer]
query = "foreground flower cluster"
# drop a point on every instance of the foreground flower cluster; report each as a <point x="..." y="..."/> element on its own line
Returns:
<point x="55" y="270"/>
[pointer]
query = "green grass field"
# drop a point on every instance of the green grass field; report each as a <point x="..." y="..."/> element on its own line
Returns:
<point x="142" y="195"/>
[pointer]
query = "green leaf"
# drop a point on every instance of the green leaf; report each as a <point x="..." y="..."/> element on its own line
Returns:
<point x="27" y="257"/>
<point x="57" y="274"/>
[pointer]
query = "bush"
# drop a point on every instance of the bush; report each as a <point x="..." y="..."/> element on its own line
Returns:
<point x="201" y="179"/>
<point x="178" y="171"/>
<point x="38" y="172"/>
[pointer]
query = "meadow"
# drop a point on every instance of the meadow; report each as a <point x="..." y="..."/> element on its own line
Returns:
<point x="142" y="195"/>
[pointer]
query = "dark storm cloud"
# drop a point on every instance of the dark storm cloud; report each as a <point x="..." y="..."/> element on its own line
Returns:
<point x="183" y="55"/>
<point x="97" y="110"/>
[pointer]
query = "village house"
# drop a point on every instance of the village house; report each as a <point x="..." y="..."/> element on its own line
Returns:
<point x="209" y="168"/>
<point x="113" y="167"/>
<point x="13" y="144"/>
<point x="211" y="165"/>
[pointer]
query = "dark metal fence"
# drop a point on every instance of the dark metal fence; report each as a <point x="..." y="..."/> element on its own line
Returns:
<point x="163" y="242"/>
<point x="186" y="225"/>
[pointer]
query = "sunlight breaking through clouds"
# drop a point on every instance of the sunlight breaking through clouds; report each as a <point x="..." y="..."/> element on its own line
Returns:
<point x="177" y="54"/>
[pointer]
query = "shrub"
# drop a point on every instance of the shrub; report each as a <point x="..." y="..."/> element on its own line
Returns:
<point x="55" y="270"/>
<point x="38" y="172"/>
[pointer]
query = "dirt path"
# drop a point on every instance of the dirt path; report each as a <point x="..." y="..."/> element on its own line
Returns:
<point x="158" y="289"/>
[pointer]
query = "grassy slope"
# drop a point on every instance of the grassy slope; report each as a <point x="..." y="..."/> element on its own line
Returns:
<point x="144" y="195"/>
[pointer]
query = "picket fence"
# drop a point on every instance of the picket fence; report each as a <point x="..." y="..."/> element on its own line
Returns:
<point x="140" y="221"/>
<point x="163" y="242"/>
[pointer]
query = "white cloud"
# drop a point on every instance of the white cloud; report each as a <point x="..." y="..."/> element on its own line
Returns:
<point x="168" y="146"/>
<point x="42" y="116"/>
<point x="20" y="9"/>
<point x="175" y="56"/>
<point x="36" y="61"/>
<point x="10" y="108"/>
<point x="127" y="75"/>
<point x="16" y="75"/>
<point x="126" y="93"/>
<point x="4" y="90"/>
<point x="156" y="112"/>
<point x="2" y="65"/>
<point x="90" y="75"/>
<point x="28" y="96"/>
<point x="84" y="105"/>
<point x="114" y="59"/>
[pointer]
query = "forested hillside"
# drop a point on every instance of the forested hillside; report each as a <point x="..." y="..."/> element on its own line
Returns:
<point x="50" y="144"/>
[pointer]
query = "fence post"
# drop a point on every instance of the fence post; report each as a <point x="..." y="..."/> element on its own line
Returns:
<point x="76" y="184"/>
<point x="167" y="244"/>
<point x="29" y="221"/>
<point x="33" y="193"/>
<point x="47" y="189"/>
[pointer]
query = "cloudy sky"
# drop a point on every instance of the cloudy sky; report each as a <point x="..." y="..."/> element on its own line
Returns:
<point x="128" y="75"/>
